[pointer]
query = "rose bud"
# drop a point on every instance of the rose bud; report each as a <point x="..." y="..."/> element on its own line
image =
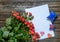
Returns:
<point x="30" y="28"/>
<point x="30" y="14"/>
<point x="15" y="12"/>
<point x="22" y="19"/>
<point x="34" y="38"/>
<point x="32" y="17"/>
<point x="14" y="15"/>
<point x="32" y="32"/>
<point x="26" y="22"/>
<point x="49" y="35"/>
<point x="30" y="23"/>
<point x="18" y="17"/>
<point x="38" y="36"/>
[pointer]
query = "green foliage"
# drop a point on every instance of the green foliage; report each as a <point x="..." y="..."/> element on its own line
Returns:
<point x="14" y="31"/>
<point x="5" y="34"/>
<point x="8" y="21"/>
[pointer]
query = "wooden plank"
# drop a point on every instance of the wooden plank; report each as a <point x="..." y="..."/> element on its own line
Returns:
<point x="55" y="9"/>
<point x="58" y="18"/>
<point x="2" y="22"/>
<point x="30" y="0"/>
<point x="4" y="16"/>
<point x="55" y="4"/>
<point x="23" y="8"/>
<point x="56" y="22"/>
<point x="29" y="4"/>
<point x="2" y="19"/>
<point x="57" y="40"/>
<point x="43" y="0"/>
<point x="1" y="25"/>
<point x="57" y="30"/>
<point x="57" y="26"/>
<point x="58" y="13"/>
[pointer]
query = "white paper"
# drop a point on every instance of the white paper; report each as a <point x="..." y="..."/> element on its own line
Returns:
<point x="40" y="21"/>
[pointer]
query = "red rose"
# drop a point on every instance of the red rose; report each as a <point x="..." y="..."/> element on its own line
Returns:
<point x="32" y="32"/>
<point x="14" y="15"/>
<point x="32" y="25"/>
<point x="34" y="38"/>
<point x="26" y="22"/>
<point x="18" y="17"/>
<point x="38" y="36"/>
<point x="30" y="28"/>
<point x="22" y="19"/>
<point x="17" y="13"/>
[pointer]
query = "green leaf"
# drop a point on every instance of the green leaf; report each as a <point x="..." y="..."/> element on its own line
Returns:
<point x="4" y="29"/>
<point x="5" y="34"/>
<point x="10" y="40"/>
<point x="11" y="34"/>
<point x="9" y="27"/>
<point x="16" y="29"/>
<point x="15" y="40"/>
<point x="8" y="21"/>
<point x="19" y="25"/>
<point x="2" y="40"/>
<point x="19" y="36"/>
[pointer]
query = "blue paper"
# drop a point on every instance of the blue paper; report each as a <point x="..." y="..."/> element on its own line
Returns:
<point x="52" y="16"/>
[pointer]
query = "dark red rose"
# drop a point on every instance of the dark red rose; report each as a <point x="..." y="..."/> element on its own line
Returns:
<point x="38" y="36"/>
<point x="31" y="24"/>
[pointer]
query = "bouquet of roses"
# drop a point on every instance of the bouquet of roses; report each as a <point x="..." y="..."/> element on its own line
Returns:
<point x="18" y="28"/>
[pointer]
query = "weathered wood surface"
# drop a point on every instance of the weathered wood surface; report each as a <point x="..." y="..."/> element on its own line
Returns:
<point x="6" y="6"/>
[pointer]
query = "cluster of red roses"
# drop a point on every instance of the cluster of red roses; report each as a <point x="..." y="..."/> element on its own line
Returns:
<point x="29" y="24"/>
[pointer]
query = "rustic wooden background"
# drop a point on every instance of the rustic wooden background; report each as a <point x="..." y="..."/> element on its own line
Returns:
<point x="6" y="6"/>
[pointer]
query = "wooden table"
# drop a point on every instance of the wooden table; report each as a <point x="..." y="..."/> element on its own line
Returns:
<point x="6" y="6"/>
